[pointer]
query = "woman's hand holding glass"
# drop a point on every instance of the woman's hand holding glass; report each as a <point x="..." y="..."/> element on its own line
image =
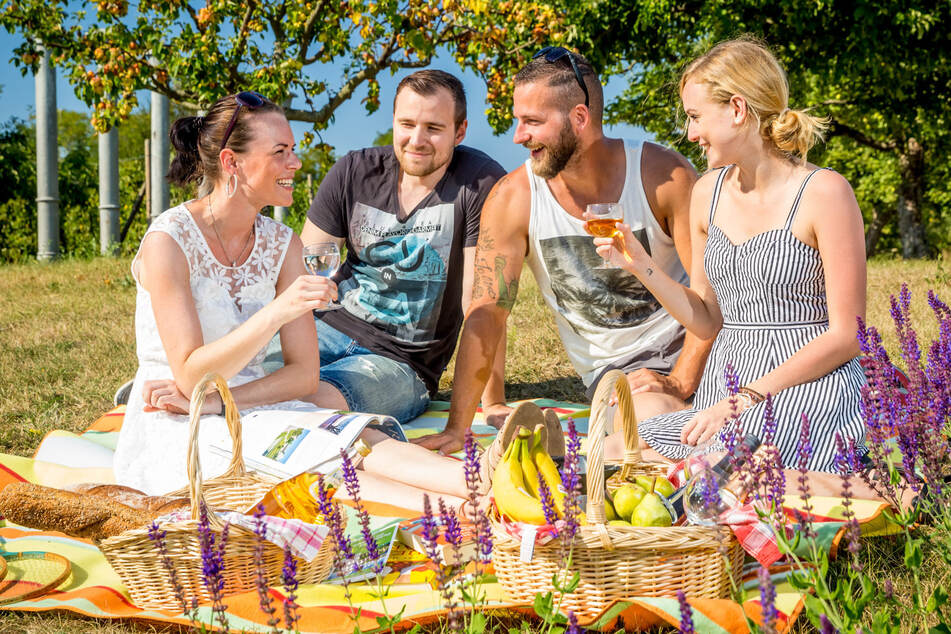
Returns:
<point x="622" y="249"/>
<point x="322" y="259"/>
<point x="305" y="294"/>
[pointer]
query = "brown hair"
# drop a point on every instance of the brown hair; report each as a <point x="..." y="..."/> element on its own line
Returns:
<point x="561" y="76"/>
<point x="747" y="68"/>
<point x="197" y="141"/>
<point x="427" y="82"/>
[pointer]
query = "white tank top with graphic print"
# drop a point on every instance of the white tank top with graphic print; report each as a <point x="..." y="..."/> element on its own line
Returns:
<point x="603" y="315"/>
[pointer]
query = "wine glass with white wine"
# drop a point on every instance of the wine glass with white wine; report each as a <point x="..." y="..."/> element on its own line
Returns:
<point x="602" y="218"/>
<point x="323" y="258"/>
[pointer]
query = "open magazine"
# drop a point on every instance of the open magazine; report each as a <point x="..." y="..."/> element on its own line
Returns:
<point x="284" y="443"/>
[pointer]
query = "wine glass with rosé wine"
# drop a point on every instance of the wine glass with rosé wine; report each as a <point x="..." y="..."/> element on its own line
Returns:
<point x="602" y="218"/>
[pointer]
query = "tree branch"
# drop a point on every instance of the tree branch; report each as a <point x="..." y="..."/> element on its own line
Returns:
<point x="308" y="34"/>
<point x="837" y="128"/>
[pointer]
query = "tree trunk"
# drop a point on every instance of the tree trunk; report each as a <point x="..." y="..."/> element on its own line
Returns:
<point x="881" y="216"/>
<point x="911" y="162"/>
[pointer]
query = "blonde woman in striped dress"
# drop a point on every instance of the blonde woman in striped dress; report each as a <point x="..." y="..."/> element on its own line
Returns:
<point x="779" y="265"/>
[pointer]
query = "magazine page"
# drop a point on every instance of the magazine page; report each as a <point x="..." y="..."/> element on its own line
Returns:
<point x="285" y="443"/>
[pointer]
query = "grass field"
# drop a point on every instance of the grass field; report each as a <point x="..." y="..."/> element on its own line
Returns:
<point x="67" y="342"/>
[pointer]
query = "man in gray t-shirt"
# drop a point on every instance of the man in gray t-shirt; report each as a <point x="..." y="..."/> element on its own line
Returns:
<point x="409" y="217"/>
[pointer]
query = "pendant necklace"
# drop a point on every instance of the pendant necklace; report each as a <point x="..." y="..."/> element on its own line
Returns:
<point x="214" y="225"/>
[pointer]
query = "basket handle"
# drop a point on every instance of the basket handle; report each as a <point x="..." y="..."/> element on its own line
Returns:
<point x="612" y="381"/>
<point x="232" y="418"/>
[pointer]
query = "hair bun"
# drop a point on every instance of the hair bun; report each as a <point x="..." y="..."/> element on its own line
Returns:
<point x="184" y="135"/>
<point x="794" y="132"/>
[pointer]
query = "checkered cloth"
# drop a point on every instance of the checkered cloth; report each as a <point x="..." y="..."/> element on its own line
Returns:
<point x="301" y="538"/>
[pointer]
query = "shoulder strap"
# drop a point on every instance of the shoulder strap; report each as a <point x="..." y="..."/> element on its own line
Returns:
<point x="795" y="205"/>
<point x="716" y="192"/>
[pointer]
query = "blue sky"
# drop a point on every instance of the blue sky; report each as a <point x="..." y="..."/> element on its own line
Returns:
<point x="353" y="128"/>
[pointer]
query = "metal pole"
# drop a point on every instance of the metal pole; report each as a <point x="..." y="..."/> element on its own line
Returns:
<point x="280" y="213"/>
<point x="109" y="192"/>
<point x="47" y="161"/>
<point x="159" y="159"/>
<point x="148" y="182"/>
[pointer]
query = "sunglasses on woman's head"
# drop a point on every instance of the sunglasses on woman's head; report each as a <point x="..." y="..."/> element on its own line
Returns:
<point x="555" y="53"/>
<point x="250" y="100"/>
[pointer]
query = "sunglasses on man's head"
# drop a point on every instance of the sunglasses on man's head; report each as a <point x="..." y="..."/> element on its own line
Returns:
<point x="250" y="100"/>
<point x="555" y="53"/>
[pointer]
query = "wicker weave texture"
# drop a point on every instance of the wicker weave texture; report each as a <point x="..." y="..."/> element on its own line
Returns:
<point x="140" y="565"/>
<point x="617" y="562"/>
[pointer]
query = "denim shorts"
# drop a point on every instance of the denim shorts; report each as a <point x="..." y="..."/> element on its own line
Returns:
<point x="369" y="382"/>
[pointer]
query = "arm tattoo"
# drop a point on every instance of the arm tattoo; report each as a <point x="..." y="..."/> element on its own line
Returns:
<point x="482" y="272"/>
<point x="507" y="292"/>
<point x="650" y="271"/>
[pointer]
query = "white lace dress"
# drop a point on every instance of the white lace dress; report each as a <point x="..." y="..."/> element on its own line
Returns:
<point x="150" y="455"/>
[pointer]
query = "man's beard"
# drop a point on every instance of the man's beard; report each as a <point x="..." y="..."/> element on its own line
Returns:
<point x="556" y="156"/>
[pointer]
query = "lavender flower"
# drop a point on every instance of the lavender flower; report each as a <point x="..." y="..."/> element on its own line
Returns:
<point x="825" y="627"/>
<point x="548" y="504"/>
<point x="212" y="564"/>
<point x="888" y="590"/>
<point x="289" y="578"/>
<point x="483" y="529"/>
<point x="731" y="434"/>
<point x="453" y="531"/>
<point x="845" y="457"/>
<point x="260" y="572"/>
<point x="571" y="479"/>
<point x="767" y="599"/>
<point x="158" y="538"/>
<point x="430" y="538"/>
<point x="686" y="614"/>
<point x="374" y="553"/>
<point x="572" y="624"/>
<point x="805" y="453"/>
<point x="331" y="514"/>
<point x="769" y="421"/>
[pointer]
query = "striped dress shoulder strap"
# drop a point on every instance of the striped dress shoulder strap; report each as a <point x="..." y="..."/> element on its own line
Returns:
<point x="716" y="192"/>
<point x="795" y="205"/>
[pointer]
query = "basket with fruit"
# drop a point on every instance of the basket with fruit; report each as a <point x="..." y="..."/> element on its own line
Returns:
<point x="614" y="558"/>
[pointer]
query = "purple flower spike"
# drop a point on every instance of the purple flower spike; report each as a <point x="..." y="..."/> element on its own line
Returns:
<point x="548" y="504"/>
<point x="686" y="614"/>
<point x="289" y="578"/>
<point x="353" y="489"/>
<point x="453" y="530"/>
<point x="260" y="574"/>
<point x="769" y="421"/>
<point x="483" y="528"/>
<point x="331" y="515"/>
<point x="572" y="624"/>
<point x="825" y="627"/>
<point x="212" y="564"/>
<point x="767" y="599"/>
<point x="571" y="479"/>
<point x="158" y="538"/>
<point x="430" y="530"/>
<point x="805" y="453"/>
<point x="731" y="433"/>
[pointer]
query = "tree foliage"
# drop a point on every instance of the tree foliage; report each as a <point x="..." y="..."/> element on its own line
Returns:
<point x="282" y="49"/>
<point x="879" y="71"/>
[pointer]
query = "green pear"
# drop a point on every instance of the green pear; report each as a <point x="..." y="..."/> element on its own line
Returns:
<point x="618" y="523"/>
<point x="660" y="484"/>
<point x="626" y="499"/>
<point x="651" y="512"/>
<point x="609" y="513"/>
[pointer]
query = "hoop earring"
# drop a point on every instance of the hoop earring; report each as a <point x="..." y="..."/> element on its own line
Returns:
<point x="232" y="185"/>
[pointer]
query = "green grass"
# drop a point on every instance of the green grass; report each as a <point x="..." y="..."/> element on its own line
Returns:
<point x="67" y="342"/>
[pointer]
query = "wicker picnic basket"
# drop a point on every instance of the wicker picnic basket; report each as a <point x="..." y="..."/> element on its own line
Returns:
<point x="237" y="488"/>
<point x="616" y="562"/>
<point x="140" y="565"/>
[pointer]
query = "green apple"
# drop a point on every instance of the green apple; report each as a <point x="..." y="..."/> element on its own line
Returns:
<point x="651" y="512"/>
<point x="618" y="523"/>
<point x="626" y="499"/>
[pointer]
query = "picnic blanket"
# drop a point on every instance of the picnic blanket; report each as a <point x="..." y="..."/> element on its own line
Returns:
<point x="94" y="589"/>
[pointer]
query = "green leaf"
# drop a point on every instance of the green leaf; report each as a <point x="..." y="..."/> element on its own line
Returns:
<point x="913" y="554"/>
<point x="477" y="623"/>
<point x="937" y="600"/>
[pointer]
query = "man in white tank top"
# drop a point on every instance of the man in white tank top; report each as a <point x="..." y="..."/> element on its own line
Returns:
<point x="534" y="215"/>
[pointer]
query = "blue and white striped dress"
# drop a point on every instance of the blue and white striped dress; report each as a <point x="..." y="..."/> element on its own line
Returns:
<point x="772" y="294"/>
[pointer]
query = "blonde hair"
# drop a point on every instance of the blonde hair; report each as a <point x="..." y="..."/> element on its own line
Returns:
<point x="747" y="68"/>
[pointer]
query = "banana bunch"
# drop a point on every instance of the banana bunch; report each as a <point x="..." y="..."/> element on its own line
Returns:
<point x="515" y="484"/>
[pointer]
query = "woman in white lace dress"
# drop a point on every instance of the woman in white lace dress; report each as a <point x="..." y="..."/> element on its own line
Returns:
<point x="215" y="282"/>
